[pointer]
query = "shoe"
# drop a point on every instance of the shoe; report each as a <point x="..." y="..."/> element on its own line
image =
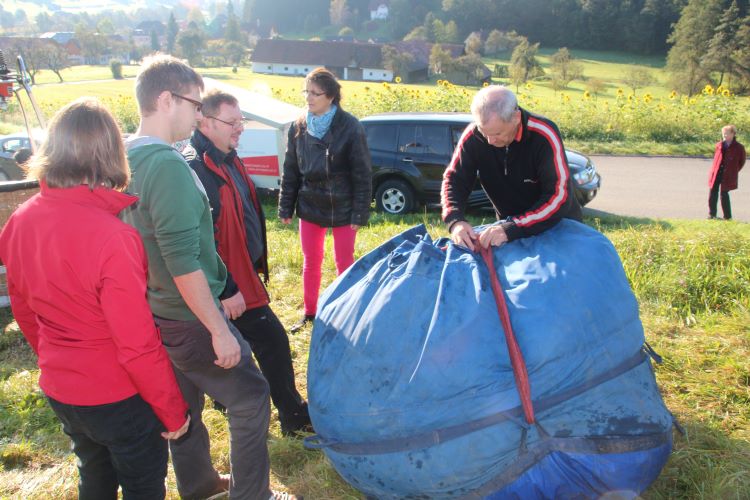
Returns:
<point x="280" y="495"/>
<point x="296" y="424"/>
<point x="221" y="490"/>
<point x="307" y="318"/>
<point x="711" y="217"/>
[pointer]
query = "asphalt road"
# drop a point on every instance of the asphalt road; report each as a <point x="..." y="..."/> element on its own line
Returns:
<point x="662" y="188"/>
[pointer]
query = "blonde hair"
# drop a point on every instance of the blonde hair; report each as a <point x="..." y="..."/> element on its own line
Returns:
<point x="83" y="146"/>
<point x="161" y="73"/>
<point x="729" y="127"/>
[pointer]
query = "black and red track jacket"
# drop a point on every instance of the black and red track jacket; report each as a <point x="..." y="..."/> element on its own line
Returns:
<point x="528" y="182"/>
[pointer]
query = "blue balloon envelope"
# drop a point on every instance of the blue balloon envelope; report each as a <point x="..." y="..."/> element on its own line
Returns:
<point x="411" y="389"/>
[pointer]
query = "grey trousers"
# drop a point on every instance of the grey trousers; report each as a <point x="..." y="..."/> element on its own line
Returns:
<point x="242" y="390"/>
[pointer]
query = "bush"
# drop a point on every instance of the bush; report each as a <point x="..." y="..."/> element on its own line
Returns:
<point x="116" y="67"/>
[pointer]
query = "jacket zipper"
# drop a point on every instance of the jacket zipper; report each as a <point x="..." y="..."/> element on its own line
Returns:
<point x="328" y="176"/>
<point x="505" y="161"/>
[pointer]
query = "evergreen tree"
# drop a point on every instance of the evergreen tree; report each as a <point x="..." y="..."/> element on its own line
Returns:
<point x="690" y="39"/>
<point x="247" y="12"/>
<point x="172" y="31"/>
<point x="724" y="43"/>
<point x="155" y="45"/>
<point x="233" y="31"/>
<point x="741" y="56"/>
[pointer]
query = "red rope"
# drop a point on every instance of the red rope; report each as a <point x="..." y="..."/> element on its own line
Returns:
<point x="516" y="358"/>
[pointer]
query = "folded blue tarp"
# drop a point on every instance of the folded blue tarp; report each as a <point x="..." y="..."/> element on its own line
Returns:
<point x="411" y="388"/>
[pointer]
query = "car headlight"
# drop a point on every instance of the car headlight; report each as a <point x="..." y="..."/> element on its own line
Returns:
<point x="583" y="176"/>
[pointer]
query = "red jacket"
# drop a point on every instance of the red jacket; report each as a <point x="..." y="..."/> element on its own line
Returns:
<point x="733" y="159"/>
<point x="229" y="221"/>
<point x="77" y="285"/>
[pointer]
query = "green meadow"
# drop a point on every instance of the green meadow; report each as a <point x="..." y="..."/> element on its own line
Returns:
<point x="608" y="119"/>
<point x="692" y="279"/>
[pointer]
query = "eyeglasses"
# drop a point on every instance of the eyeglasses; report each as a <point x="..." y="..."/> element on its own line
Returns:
<point x="312" y="93"/>
<point x="238" y="124"/>
<point x="198" y="105"/>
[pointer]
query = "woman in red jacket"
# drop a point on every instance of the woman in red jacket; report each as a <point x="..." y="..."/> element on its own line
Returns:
<point x="729" y="158"/>
<point x="77" y="284"/>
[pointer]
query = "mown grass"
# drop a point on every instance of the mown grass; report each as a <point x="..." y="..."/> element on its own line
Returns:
<point x="691" y="279"/>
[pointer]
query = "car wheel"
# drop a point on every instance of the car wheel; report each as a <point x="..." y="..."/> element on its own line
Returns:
<point x="394" y="197"/>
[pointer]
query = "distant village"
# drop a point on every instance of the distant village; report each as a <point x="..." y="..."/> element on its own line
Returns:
<point x="223" y="41"/>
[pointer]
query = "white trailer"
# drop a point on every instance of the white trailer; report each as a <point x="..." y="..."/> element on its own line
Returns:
<point x="263" y="143"/>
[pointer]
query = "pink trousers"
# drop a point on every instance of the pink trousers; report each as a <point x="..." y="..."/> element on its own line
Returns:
<point x="312" y="237"/>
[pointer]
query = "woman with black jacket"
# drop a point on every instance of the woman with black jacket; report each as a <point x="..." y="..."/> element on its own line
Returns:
<point x="327" y="181"/>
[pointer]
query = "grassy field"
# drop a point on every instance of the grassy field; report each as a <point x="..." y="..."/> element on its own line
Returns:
<point x="692" y="279"/>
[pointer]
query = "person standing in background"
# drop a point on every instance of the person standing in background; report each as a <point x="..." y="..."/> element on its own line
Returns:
<point x="729" y="158"/>
<point x="327" y="181"/>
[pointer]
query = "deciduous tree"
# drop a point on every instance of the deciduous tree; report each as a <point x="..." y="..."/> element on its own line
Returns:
<point x="637" y="78"/>
<point x="564" y="68"/>
<point x="524" y="64"/>
<point x="440" y="59"/>
<point x="397" y="62"/>
<point x="191" y="42"/>
<point x="473" y="43"/>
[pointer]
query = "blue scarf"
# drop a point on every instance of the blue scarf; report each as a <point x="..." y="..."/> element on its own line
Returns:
<point x="317" y="126"/>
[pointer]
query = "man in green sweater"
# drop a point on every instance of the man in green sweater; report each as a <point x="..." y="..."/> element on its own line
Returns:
<point x="185" y="279"/>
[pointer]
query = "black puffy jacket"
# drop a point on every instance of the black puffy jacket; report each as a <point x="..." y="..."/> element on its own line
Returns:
<point x="327" y="181"/>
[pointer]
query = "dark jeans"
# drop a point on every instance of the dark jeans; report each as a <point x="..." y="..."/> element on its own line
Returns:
<point x="726" y="205"/>
<point x="242" y="390"/>
<point x="116" y="444"/>
<point x="270" y="344"/>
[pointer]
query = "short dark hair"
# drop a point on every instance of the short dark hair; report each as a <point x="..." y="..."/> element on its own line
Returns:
<point x="161" y="73"/>
<point x="213" y="99"/>
<point x="83" y="146"/>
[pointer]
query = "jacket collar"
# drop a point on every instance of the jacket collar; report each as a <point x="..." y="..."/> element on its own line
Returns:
<point x="102" y="198"/>
<point x="203" y="145"/>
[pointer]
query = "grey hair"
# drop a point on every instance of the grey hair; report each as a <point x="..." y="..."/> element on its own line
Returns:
<point x="496" y="100"/>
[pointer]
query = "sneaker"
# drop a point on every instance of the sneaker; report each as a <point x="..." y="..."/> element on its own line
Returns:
<point x="221" y="490"/>
<point x="711" y="217"/>
<point x="307" y="318"/>
<point x="280" y="495"/>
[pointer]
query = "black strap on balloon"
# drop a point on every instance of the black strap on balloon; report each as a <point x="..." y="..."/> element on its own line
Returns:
<point x="432" y="438"/>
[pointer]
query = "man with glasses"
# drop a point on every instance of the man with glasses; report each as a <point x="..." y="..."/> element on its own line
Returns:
<point x="185" y="278"/>
<point x="240" y="233"/>
<point x="521" y="164"/>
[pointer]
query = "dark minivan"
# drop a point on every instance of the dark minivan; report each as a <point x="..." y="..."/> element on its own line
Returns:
<point x="410" y="151"/>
